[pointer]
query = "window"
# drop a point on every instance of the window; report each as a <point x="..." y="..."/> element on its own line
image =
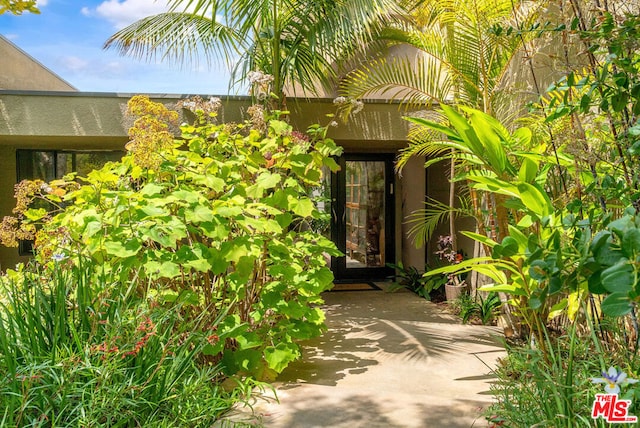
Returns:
<point x="49" y="165"/>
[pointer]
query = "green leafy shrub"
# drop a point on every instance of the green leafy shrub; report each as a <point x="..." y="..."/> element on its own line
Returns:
<point x="217" y="222"/>
<point x="484" y="308"/>
<point x="412" y="279"/>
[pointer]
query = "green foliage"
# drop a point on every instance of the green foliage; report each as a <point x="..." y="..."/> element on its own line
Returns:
<point x="414" y="280"/>
<point x="17" y="7"/>
<point x="557" y="208"/>
<point x="275" y="44"/>
<point x="549" y="260"/>
<point x="535" y="390"/>
<point x="460" y="58"/>
<point x="218" y="222"/>
<point x="424" y="221"/>
<point x="80" y="347"/>
<point x="484" y="308"/>
<point x="614" y="264"/>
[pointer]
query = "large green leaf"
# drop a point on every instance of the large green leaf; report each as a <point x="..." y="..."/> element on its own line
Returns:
<point x="435" y="126"/>
<point x="485" y="265"/>
<point x="278" y="357"/>
<point x="480" y="238"/>
<point x="151" y="189"/>
<point x="520" y="237"/>
<point x="123" y="250"/>
<point x="162" y="269"/>
<point x="504" y="288"/>
<point x="539" y="270"/>
<point x="493" y="185"/>
<point x="465" y="130"/>
<point x="236" y="249"/>
<point x="303" y="206"/>
<point x="528" y="171"/>
<point x="608" y="256"/>
<point x="522" y="137"/>
<point x="595" y="284"/>
<point x="492" y="136"/>
<point x="198" y="214"/>
<point x="35" y="214"/>
<point x="508" y="248"/>
<point x="618" y="278"/>
<point x="617" y="305"/>
<point x="535" y="199"/>
<point x="264" y="181"/>
<point x="631" y="243"/>
<point x="159" y="235"/>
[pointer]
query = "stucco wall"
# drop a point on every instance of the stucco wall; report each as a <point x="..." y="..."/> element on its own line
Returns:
<point x="8" y="256"/>
<point x="412" y="188"/>
<point x="438" y="188"/>
<point x="93" y="114"/>
<point x="83" y="121"/>
<point x="18" y="70"/>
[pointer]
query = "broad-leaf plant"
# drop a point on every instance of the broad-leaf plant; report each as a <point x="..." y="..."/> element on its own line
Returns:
<point x="216" y="221"/>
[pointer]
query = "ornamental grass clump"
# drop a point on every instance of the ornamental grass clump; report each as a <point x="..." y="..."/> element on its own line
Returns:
<point x="81" y="347"/>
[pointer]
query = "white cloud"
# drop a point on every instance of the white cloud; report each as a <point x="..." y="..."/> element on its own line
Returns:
<point x="122" y="13"/>
<point x="41" y="3"/>
<point x="75" y="64"/>
<point x="115" y="67"/>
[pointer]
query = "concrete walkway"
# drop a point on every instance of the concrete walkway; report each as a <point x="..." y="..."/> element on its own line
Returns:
<point x="388" y="360"/>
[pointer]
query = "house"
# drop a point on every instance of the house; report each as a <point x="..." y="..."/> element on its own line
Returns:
<point x="48" y="128"/>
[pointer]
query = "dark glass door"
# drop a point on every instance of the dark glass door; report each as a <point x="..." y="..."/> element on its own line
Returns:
<point x="363" y="217"/>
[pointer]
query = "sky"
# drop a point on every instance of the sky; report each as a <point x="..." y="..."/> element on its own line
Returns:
<point x="67" y="38"/>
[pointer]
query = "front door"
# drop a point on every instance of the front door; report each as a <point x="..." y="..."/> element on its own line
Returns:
<point x="363" y="217"/>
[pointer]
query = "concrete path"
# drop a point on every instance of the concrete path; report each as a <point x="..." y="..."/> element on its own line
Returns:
<point x="388" y="360"/>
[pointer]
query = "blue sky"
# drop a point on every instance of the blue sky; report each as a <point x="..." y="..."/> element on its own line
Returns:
<point x="68" y="35"/>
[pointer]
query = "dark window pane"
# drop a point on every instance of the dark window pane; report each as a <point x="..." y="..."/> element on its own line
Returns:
<point x="34" y="165"/>
<point x="87" y="162"/>
<point x="49" y="165"/>
<point x="64" y="164"/>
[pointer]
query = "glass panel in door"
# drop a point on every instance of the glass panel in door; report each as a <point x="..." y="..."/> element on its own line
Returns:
<point x="365" y="183"/>
<point x="362" y="217"/>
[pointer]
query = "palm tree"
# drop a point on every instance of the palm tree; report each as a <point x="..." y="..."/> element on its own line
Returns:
<point x="460" y="53"/>
<point x="297" y="42"/>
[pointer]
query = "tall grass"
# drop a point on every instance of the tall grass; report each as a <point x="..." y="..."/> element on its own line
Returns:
<point x="555" y="388"/>
<point x="80" y="347"/>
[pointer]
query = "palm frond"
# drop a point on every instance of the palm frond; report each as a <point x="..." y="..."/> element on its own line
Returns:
<point x="416" y="82"/>
<point x="424" y="149"/>
<point x="178" y="38"/>
<point x="425" y="221"/>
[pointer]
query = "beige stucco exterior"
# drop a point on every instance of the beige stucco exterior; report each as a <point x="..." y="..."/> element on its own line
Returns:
<point x="18" y="70"/>
<point x="96" y="121"/>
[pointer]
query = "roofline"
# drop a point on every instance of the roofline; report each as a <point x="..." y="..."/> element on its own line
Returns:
<point x="57" y="76"/>
<point x="177" y="96"/>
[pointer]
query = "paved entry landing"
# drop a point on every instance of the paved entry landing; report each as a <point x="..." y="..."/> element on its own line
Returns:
<point x="388" y="360"/>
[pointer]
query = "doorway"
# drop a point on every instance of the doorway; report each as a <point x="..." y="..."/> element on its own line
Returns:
<point x="362" y="217"/>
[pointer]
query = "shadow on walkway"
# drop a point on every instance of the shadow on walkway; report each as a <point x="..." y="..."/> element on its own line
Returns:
<point x="387" y="360"/>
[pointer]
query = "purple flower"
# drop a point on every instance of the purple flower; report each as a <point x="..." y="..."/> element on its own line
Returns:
<point x="613" y="379"/>
<point x="58" y="257"/>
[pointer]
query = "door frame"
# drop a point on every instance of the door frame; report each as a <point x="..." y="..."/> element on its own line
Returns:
<point x="339" y="226"/>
